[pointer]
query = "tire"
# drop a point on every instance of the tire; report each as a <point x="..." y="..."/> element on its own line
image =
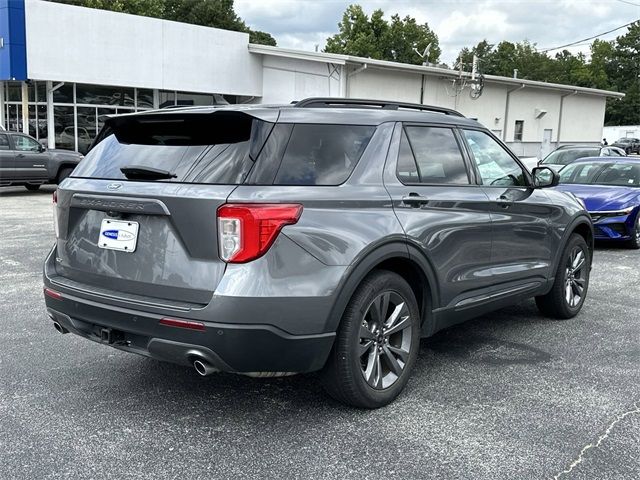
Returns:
<point x="634" y="243"/>
<point x="350" y="360"/>
<point x="62" y="174"/>
<point x="31" y="187"/>
<point x="571" y="284"/>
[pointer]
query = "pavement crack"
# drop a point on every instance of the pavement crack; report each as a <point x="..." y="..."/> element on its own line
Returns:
<point x="601" y="438"/>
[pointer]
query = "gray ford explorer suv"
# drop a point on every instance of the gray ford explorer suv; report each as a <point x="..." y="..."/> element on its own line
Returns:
<point x="329" y="235"/>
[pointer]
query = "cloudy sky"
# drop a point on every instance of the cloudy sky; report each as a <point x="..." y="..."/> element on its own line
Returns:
<point x="302" y="24"/>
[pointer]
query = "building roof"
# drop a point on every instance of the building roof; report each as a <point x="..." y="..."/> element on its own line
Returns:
<point x="339" y="59"/>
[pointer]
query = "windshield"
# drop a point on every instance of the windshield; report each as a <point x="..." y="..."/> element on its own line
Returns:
<point x="618" y="174"/>
<point x="565" y="157"/>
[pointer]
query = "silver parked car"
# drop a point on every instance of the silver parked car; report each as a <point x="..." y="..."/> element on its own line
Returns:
<point x="566" y="154"/>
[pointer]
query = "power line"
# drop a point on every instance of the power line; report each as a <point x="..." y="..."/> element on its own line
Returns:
<point x="630" y="3"/>
<point x="588" y="38"/>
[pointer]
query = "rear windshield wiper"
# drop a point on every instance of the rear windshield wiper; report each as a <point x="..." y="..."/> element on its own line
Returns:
<point x="136" y="172"/>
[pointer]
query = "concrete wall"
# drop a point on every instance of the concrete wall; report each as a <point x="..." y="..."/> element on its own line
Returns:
<point x="384" y="85"/>
<point x="623" y="131"/>
<point x="285" y="80"/>
<point x="74" y="44"/>
<point x="583" y="118"/>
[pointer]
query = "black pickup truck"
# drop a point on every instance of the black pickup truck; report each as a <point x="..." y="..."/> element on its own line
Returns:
<point x="24" y="161"/>
<point x="629" y="145"/>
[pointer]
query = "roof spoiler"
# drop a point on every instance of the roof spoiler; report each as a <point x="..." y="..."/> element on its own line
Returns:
<point x="178" y="128"/>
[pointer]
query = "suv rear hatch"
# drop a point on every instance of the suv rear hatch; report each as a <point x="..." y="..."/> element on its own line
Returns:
<point x="137" y="218"/>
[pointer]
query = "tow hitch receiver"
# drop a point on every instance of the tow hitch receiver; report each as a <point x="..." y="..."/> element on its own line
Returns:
<point x="109" y="336"/>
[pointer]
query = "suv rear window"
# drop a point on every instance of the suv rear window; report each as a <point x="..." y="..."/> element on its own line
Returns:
<point x="213" y="149"/>
<point x="222" y="148"/>
<point x="322" y="154"/>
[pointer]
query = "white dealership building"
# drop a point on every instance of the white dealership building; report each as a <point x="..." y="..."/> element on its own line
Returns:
<point x="63" y="67"/>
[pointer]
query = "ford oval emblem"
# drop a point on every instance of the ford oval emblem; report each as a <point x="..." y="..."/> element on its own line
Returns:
<point x="114" y="186"/>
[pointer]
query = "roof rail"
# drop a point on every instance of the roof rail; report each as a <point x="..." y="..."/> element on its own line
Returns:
<point x="335" y="102"/>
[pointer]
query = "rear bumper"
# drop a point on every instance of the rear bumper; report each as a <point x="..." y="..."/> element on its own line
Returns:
<point x="227" y="347"/>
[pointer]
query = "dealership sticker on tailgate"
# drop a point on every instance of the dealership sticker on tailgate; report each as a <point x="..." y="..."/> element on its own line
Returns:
<point x="118" y="235"/>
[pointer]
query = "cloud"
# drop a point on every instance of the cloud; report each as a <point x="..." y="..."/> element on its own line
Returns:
<point x="302" y="24"/>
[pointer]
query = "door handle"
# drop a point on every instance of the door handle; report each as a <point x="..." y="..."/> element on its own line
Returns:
<point x="20" y="155"/>
<point x="504" y="201"/>
<point x="414" y="200"/>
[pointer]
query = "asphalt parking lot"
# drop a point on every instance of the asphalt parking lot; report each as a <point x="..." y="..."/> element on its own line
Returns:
<point x="509" y="395"/>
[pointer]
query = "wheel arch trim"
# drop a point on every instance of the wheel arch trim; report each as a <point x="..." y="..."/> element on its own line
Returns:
<point x="580" y="221"/>
<point x="367" y="263"/>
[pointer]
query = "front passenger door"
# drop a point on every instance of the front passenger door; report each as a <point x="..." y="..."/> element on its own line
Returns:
<point x="442" y="211"/>
<point x="30" y="160"/>
<point x="6" y="159"/>
<point x="521" y="249"/>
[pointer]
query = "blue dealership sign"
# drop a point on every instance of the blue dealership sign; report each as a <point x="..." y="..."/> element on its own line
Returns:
<point x="13" y="41"/>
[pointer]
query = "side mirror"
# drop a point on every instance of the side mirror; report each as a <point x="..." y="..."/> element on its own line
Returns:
<point x="42" y="148"/>
<point x="544" y="177"/>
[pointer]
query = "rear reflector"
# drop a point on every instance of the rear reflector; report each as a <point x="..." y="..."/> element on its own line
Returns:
<point x="246" y="231"/>
<point x="174" y="322"/>
<point x="55" y="213"/>
<point x="52" y="294"/>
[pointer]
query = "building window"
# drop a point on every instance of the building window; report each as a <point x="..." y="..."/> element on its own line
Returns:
<point x="104" y="95"/>
<point x="144" y="98"/>
<point x="517" y="136"/>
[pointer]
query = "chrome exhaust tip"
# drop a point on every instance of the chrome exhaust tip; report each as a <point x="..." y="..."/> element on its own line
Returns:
<point x="60" y="328"/>
<point x="204" y="368"/>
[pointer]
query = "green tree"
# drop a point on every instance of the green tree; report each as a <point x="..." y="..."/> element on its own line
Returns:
<point x="482" y="50"/>
<point x="602" y="65"/>
<point x="623" y="69"/>
<point x="570" y="69"/>
<point x="209" y="13"/>
<point x="374" y="37"/>
<point x="405" y="38"/>
<point x="358" y="35"/>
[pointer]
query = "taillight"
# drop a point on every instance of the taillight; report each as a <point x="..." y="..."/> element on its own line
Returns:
<point x="247" y="230"/>
<point x="55" y="213"/>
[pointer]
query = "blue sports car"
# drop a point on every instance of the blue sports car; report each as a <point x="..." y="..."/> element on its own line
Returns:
<point x="610" y="190"/>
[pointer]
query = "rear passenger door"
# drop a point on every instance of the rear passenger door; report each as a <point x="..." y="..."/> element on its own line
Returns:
<point x="521" y="250"/>
<point x="6" y="159"/>
<point x="443" y="213"/>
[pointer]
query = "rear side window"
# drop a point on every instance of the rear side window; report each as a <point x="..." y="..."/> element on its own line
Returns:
<point x="213" y="149"/>
<point x="431" y="155"/>
<point x="322" y="154"/>
<point x="579" y="172"/>
<point x="4" y="141"/>
<point x="620" y="174"/>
